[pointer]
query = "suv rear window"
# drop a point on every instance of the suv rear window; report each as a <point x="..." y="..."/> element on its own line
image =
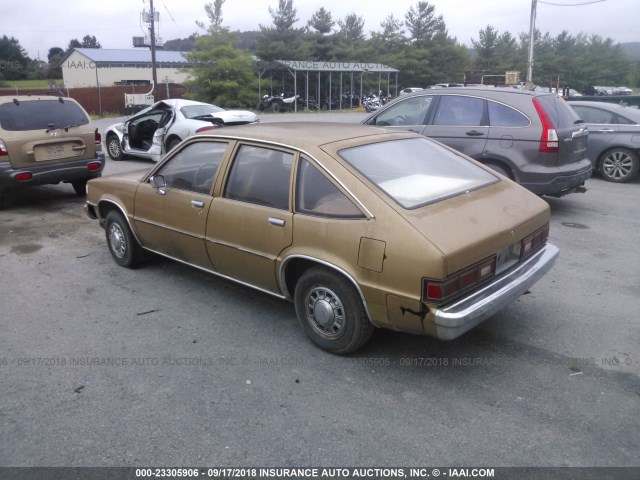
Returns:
<point x="560" y="113"/>
<point x="416" y="171"/>
<point x="41" y="115"/>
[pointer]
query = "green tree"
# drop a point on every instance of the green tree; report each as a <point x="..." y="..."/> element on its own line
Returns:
<point x="16" y="63"/>
<point x="321" y="21"/>
<point x="352" y="28"/>
<point x="282" y="41"/>
<point x="223" y="73"/>
<point x="88" y="41"/>
<point x="423" y="24"/>
<point x="55" y="56"/>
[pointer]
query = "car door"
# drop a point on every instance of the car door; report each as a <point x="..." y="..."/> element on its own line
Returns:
<point x="604" y="127"/>
<point x="460" y="122"/>
<point x="251" y="222"/>
<point x="408" y="114"/>
<point x="171" y="219"/>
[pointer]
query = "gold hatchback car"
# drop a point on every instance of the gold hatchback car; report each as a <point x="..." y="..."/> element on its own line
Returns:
<point x="360" y="226"/>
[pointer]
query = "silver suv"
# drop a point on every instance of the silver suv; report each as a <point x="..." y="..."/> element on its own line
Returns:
<point x="533" y="138"/>
<point x="47" y="140"/>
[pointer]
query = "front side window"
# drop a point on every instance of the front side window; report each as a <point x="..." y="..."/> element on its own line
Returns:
<point x="194" y="167"/>
<point x="316" y="195"/>
<point x="261" y="176"/>
<point x="416" y="171"/>
<point x="412" y="111"/>
<point x="459" y="110"/>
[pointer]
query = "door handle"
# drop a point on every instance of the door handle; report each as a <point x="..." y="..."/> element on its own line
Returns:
<point x="278" y="222"/>
<point x="474" y="133"/>
<point x="197" y="203"/>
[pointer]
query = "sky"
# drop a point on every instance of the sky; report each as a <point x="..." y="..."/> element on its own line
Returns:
<point x="114" y="22"/>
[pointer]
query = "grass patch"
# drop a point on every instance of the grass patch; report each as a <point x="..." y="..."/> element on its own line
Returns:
<point x="26" y="84"/>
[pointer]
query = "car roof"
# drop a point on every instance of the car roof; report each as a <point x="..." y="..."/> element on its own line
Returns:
<point x="306" y="135"/>
<point x="26" y="98"/>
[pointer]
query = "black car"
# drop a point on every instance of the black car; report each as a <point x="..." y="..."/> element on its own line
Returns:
<point x="534" y="138"/>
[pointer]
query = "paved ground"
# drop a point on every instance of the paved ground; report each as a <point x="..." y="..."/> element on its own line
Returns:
<point x="165" y="365"/>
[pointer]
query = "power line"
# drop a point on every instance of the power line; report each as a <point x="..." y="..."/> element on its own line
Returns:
<point x="572" y="4"/>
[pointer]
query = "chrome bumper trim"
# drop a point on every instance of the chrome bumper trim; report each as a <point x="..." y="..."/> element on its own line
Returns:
<point x="453" y="320"/>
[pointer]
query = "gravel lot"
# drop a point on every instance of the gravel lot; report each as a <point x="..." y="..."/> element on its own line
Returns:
<point x="168" y="366"/>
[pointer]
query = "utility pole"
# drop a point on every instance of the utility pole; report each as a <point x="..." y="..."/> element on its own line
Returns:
<point x="532" y="29"/>
<point x="154" y="74"/>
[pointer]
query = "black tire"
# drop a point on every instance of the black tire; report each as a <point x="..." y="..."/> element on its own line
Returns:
<point x="114" y="148"/>
<point x="331" y="312"/>
<point x="619" y="165"/>
<point x="123" y="247"/>
<point x="80" y="186"/>
<point x="173" y="143"/>
<point x="3" y="201"/>
<point x="276" y="106"/>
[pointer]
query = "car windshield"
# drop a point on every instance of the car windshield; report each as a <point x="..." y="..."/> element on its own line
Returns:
<point x="194" y="111"/>
<point x="41" y="115"/>
<point x="416" y="171"/>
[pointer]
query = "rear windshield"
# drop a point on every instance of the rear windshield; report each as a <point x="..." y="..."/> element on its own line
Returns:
<point x="416" y="171"/>
<point x="41" y="115"/>
<point x="560" y="113"/>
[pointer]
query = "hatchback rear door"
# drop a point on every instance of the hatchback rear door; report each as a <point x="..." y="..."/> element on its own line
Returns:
<point x="571" y="130"/>
<point x="46" y="131"/>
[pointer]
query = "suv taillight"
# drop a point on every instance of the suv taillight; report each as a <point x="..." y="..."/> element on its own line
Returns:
<point x="3" y="149"/>
<point x="549" y="141"/>
<point x="97" y="137"/>
<point x="207" y="128"/>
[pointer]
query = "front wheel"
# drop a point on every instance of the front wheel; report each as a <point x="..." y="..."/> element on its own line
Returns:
<point x="114" y="148"/>
<point x="331" y="311"/>
<point x="123" y="247"/>
<point x="619" y="165"/>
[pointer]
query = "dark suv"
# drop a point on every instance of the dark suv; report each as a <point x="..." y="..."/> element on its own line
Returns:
<point x="47" y="140"/>
<point x="534" y="138"/>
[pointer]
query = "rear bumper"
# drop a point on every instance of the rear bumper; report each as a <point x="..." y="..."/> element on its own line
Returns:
<point x="562" y="184"/>
<point x="50" y="174"/>
<point x="455" y="319"/>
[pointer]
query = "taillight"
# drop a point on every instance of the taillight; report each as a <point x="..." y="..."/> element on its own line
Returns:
<point x="534" y="241"/>
<point x="439" y="291"/>
<point x="97" y="137"/>
<point x="549" y="140"/>
<point x="3" y="149"/>
<point x="210" y="127"/>
<point x="23" y="176"/>
<point x="93" y="166"/>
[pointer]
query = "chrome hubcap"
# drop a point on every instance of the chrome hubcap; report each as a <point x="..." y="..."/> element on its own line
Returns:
<point x="114" y="147"/>
<point x="117" y="241"/>
<point x="617" y="165"/>
<point x="325" y="312"/>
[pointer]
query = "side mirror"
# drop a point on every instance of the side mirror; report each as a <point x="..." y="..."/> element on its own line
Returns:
<point x="157" y="182"/>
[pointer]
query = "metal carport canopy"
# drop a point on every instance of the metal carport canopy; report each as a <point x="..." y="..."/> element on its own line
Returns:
<point x="306" y="66"/>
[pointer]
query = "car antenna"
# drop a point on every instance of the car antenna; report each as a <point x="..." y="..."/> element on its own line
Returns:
<point x="61" y="100"/>
<point x="16" y="101"/>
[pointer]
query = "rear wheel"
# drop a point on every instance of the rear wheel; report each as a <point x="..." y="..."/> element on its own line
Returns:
<point x="123" y="247"/>
<point x="114" y="149"/>
<point x="331" y="311"/>
<point x="173" y="144"/>
<point x="619" y="165"/>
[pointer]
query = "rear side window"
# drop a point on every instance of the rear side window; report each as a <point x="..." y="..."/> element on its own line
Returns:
<point x="41" y="115"/>
<point x="559" y="112"/>
<point x="598" y="115"/>
<point x="459" y="110"/>
<point x="504" y="116"/>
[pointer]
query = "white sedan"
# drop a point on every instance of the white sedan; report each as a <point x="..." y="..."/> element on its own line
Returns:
<point x="154" y="131"/>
